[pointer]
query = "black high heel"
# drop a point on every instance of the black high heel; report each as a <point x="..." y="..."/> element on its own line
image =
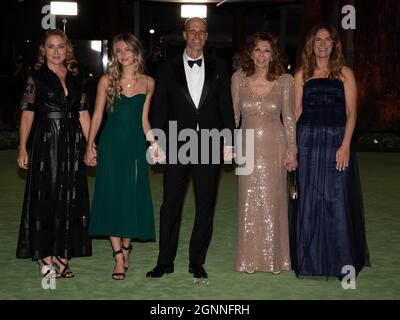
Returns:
<point x="117" y="275"/>
<point x="129" y="249"/>
<point x="66" y="271"/>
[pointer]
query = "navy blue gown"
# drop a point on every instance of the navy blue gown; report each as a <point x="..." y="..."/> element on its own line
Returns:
<point x="328" y="230"/>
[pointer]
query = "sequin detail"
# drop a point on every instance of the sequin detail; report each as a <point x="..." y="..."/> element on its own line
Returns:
<point x="263" y="237"/>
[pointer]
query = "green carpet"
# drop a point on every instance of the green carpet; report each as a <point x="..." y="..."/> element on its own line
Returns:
<point x="380" y="175"/>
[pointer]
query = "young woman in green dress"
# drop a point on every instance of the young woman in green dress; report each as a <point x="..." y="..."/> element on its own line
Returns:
<point x="122" y="206"/>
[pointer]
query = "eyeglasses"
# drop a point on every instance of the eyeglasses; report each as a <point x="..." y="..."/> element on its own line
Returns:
<point x="193" y="32"/>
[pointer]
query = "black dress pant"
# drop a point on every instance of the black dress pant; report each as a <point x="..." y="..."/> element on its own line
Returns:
<point x="205" y="179"/>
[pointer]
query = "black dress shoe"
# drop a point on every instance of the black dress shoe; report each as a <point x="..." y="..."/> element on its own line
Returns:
<point x="160" y="270"/>
<point x="198" y="271"/>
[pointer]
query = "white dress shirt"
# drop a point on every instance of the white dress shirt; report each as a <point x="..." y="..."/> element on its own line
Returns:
<point x="194" y="78"/>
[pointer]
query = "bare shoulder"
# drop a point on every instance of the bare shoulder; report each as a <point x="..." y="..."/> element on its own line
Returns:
<point x="150" y="82"/>
<point x="298" y="76"/>
<point x="103" y="81"/>
<point x="347" y="74"/>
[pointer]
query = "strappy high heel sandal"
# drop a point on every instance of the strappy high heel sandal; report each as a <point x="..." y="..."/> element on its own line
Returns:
<point x="47" y="270"/>
<point x="129" y="249"/>
<point x="64" y="272"/>
<point x="118" y="275"/>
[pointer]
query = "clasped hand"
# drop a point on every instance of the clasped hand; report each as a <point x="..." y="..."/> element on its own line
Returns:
<point x="156" y="153"/>
<point x="229" y="153"/>
<point x="90" y="156"/>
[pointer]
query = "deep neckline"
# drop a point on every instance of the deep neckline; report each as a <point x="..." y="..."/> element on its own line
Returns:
<point x="59" y="80"/>
<point x="260" y="96"/>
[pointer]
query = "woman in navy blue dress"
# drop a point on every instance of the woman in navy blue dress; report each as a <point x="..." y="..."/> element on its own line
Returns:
<point x="328" y="231"/>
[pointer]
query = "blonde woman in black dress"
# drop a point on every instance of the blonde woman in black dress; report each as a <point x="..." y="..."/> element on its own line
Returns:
<point x="55" y="216"/>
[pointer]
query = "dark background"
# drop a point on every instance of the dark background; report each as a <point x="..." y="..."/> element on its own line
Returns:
<point x="372" y="49"/>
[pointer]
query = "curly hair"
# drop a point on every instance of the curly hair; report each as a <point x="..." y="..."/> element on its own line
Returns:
<point x="115" y="69"/>
<point x="276" y="66"/>
<point x="336" y="58"/>
<point x="70" y="62"/>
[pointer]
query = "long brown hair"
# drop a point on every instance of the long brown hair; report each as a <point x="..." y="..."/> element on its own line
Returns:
<point x="115" y="69"/>
<point x="70" y="62"/>
<point x="276" y="67"/>
<point x="336" y="58"/>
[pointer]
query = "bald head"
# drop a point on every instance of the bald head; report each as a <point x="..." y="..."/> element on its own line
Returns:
<point x="189" y="21"/>
<point x="195" y="35"/>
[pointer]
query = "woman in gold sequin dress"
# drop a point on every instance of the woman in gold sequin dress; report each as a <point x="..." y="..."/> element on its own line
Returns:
<point x="262" y="94"/>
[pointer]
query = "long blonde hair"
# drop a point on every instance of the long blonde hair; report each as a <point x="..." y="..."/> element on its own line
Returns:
<point x="276" y="67"/>
<point x="70" y="62"/>
<point x="336" y="58"/>
<point x="115" y="69"/>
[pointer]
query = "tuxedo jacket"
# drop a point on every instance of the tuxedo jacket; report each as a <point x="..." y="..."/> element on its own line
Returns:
<point x="172" y="100"/>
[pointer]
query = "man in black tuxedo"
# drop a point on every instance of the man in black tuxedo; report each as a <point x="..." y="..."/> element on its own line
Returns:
<point x="194" y="90"/>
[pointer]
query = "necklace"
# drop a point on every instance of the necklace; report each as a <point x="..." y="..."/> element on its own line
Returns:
<point x="129" y="83"/>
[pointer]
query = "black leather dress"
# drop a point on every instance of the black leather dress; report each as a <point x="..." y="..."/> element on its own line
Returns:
<point x="55" y="214"/>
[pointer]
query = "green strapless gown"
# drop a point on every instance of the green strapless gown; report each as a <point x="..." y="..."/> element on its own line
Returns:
<point x="122" y="204"/>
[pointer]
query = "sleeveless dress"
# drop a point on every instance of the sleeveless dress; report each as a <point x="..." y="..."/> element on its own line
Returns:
<point x="55" y="215"/>
<point x="328" y="231"/>
<point x="263" y="231"/>
<point x="122" y="204"/>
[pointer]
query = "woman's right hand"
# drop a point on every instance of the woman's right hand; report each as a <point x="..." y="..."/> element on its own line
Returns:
<point x="23" y="158"/>
<point x="90" y="156"/>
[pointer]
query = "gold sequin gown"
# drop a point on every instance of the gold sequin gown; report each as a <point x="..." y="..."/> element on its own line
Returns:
<point x="263" y="235"/>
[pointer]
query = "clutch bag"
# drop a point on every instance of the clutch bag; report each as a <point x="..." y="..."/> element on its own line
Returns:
<point x="292" y="185"/>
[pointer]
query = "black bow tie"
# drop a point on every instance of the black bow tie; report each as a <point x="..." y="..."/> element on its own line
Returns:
<point x="192" y="62"/>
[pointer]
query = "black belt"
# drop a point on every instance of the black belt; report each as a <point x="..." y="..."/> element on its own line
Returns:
<point x="60" y="115"/>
